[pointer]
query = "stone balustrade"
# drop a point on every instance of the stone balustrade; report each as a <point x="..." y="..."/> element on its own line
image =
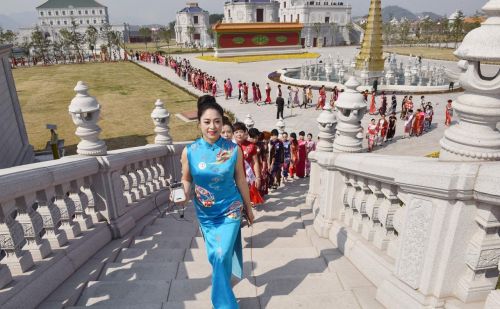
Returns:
<point x="55" y="215"/>
<point x="425" y="232"/>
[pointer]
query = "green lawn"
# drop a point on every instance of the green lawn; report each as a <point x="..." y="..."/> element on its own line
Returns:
<point x="424" y="52"/>
<point x="126" y="92"/>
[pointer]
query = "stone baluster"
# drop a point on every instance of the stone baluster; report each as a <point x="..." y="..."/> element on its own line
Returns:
<point x="51" y="218"/>
<point x="5" y="275"/>
<point x="351" y="107"/>
<point x="134" y="177"/>
<point x="80" y="201"/>
<point x="129" y="196"/>
<point x="385" y="233"/>
<point x="85" y="111"/>
<point x="12" y="241"/>
<point x="32" y="224"/>
<point x="142" y="179"/>
<point x="360" y="204"/>
<point x="483" y="255"/>
<point x="67" y="208"/>
<point x="476" y="137"/>
<point x="155" y="174"/>
<point x="91" y="198"/>
<point x="349" y="202"/>
<point x="373" y="202"/>
<point x="161" y="118"/>
<point x="149" y="176"/>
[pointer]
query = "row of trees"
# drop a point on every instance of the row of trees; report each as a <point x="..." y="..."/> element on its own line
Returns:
<point x="7" y="36"/>
<point x="427" y="31"/>
<point x="73" y="44"/>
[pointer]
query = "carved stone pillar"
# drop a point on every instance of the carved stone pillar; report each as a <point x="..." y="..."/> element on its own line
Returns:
<point x="32" y="224"/>
<point x="373" y="202"/>
<point x="91" y="198"/>
<point x="483" y="256"/>
<point x="51" y="217"/>
<point x="360" y="204"/>
<point x="351" y="108"/>
<point x="85" y="111"/>
<point x="161" y="119"/>
<point x="385" y="233"/>
<point x="12" y="241"/>
<point x="476" y="137"/>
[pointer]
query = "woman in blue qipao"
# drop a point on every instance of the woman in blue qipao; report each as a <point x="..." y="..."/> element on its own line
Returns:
<point x="212" y="167"/>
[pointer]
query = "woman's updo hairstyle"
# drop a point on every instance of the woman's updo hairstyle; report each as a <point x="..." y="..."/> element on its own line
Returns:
<point x="207" y="102"/>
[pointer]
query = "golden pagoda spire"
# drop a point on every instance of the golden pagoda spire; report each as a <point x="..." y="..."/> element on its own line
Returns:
<point x="371" y="48"/>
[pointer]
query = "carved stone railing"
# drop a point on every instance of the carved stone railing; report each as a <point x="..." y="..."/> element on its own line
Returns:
<point x="55" y="215"/>
<point x="425" y="232"/>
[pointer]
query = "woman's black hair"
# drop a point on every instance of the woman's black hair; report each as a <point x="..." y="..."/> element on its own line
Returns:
<point x="240" y="126"/>
<point x="302" y="133"/>
<point x="309" y="134"/>
<point x="226" y="122"/>
<point x="207" y="102"/>
<point x="253" y="133"/>
<point x="294" y="136"/>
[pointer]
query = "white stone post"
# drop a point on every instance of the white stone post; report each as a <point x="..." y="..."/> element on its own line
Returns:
<point x="161" y="118"/>
<point x="280" y="125"/>
<point x="249" y="122"/>
<point x="351" y="108"/>
<point x="85" y="111"/>
<point x="475" y="137"/>
<point x="327" y="123"/>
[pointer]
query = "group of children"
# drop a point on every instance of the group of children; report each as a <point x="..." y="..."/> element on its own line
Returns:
<point x="270" y="158"/>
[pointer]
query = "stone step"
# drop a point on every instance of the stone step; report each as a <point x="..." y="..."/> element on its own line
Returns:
<point x="293" y="231"/>
<point x="200" y="255"/>
<point x="275" y="268"/>
<point x="134" y="271"/>
<point x="197" y="270"/>
<point x="122" y="306"/>
<point x="278" y="242"/>
<point x="244" y="303"/>
<point x="283" y="254"/>
<point x="344" y="300"/>
<point x="120" y="294"/>
<point x="150" y="255"/>
<point x="199" y="289"/>
<point x="184" y="230"/>
<point x="319" y="283"/>
<point x="152" y="242"/>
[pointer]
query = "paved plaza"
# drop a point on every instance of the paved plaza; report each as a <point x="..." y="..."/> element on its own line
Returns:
<point x="305" y="120"/>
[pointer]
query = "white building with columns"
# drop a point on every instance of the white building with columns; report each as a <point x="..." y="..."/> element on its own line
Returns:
<point x="326" y="23"/>
<point x="55" y="15"/>
<point x="191" y="26"/>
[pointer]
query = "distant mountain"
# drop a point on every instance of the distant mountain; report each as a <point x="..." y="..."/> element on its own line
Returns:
<point x="394" y="11"/>
<point x="18" y="20"/>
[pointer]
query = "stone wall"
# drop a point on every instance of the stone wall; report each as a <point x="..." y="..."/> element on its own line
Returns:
<point x="15" y="148"/>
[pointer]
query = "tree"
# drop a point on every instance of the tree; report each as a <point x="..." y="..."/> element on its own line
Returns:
<point x="214" y="18"/>
<point x="105" y="35"/>
<point x="77" y="40"/>
<point x="65" y="41"/>
<point x="404" y="30"/>
<point x="39" y="43"/>
<point x="8" y="37"/>
<point x="116" y="41"/>
<point x="145" y="32"/>
<point x="317" y="30"/>
<point x="91" y="35"/>
<point x="425" y="29"/>
<point x="457" y="27"/>
<point x="334" y="28"/>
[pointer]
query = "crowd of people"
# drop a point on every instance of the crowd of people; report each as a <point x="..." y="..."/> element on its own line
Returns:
<point x="417" y="118"/>
<point x="271" y="159"/>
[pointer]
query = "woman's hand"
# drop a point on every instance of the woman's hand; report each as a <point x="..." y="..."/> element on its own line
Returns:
<point x="250" y="216"/>
<point x="257" y="183"/>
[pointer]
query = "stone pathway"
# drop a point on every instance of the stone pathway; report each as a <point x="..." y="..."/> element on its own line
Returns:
<point x="286" y="265"/>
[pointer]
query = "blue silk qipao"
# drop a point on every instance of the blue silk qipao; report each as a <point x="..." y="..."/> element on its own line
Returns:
<point x="218" y="205"/>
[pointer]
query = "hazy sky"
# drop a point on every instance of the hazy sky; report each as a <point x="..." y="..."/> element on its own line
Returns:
<point x="163" y="11"/>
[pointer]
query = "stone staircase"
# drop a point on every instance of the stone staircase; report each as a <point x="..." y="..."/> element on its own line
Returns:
<point x="286" y="265"/>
